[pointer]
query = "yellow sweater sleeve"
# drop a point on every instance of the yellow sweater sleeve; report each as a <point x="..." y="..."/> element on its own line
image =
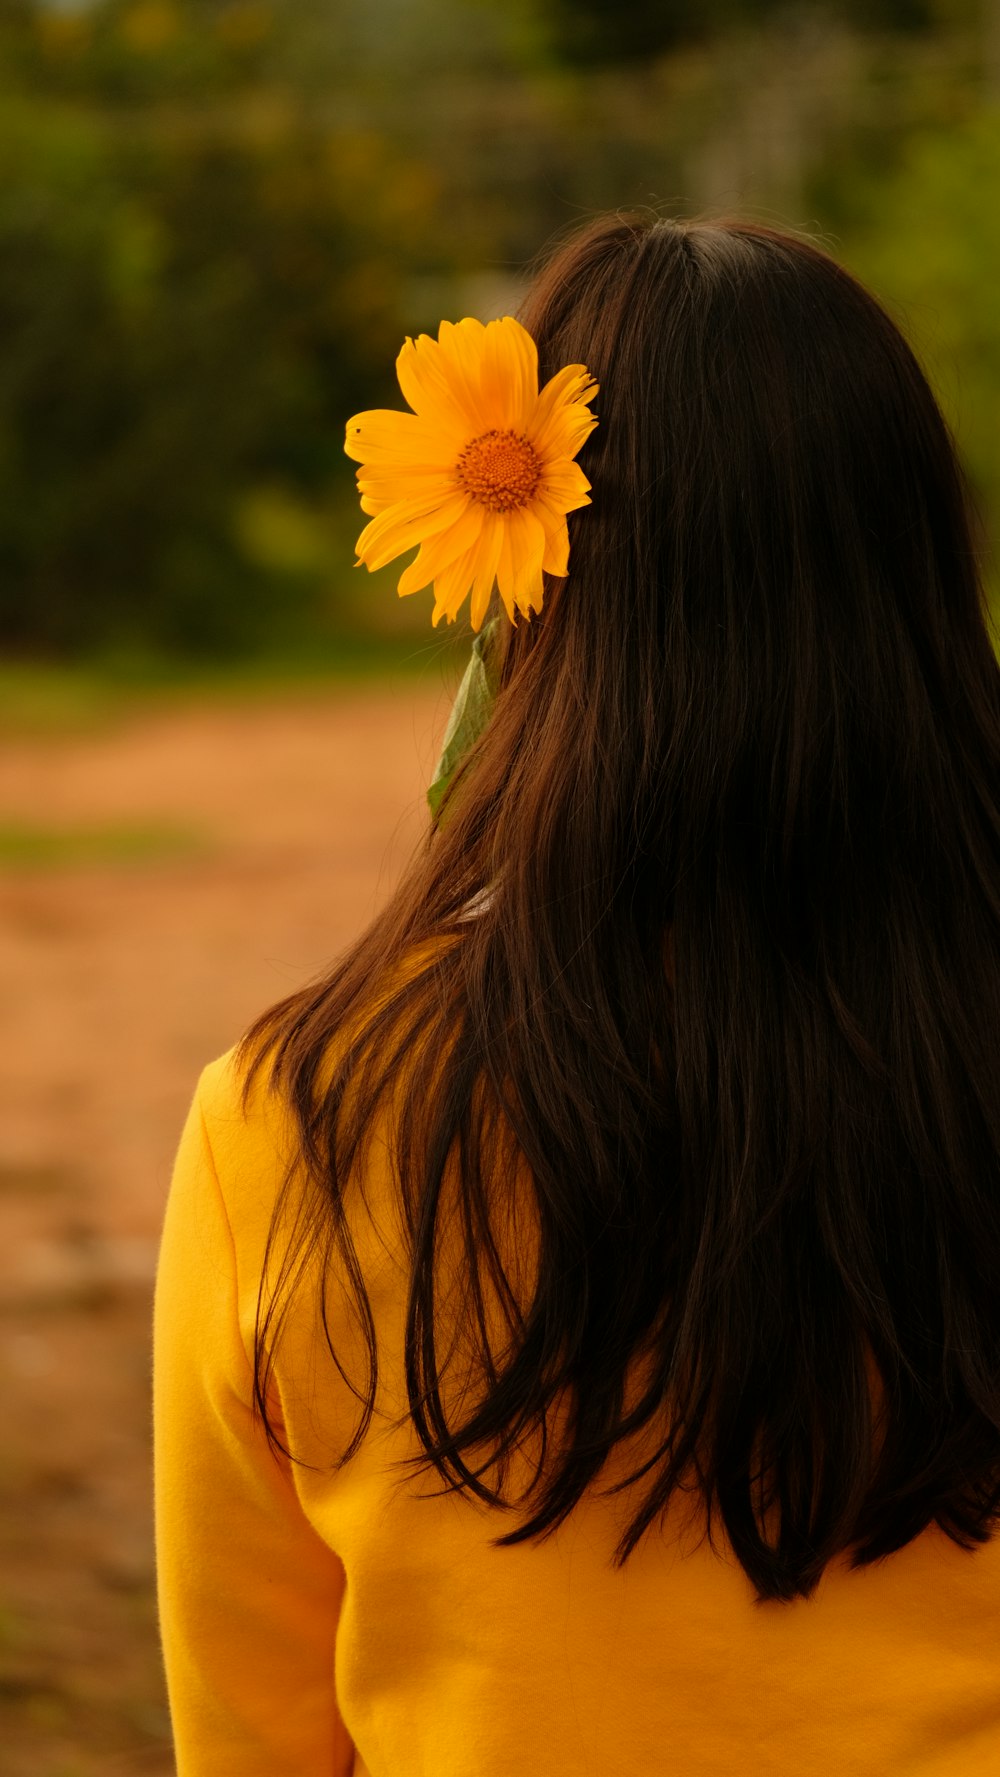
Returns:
<point x="250" y="1595"/>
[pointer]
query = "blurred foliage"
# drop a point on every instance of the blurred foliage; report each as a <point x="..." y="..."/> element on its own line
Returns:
<point x="218" y="218"/>
<point x="925" y="235"/>
<point x="28" y="846"/>
<point x="599" y="31"/>
<point x="192" y="300"/>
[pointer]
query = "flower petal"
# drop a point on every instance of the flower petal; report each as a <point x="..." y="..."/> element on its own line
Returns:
<point x="399" y="527"/>
<point x="506" y="571"/>
<point x="394" y="440"/>
<point x="428" y="381"/>
<point x="563" y="488"/>
<point x="461" y="345"/>
<point x="519" y="570"/>
<point x="438" y="552"/>
<point x="562" y="422"/>
<point x="411" y="483"/>
<point x="509" y="375"/>
<point x="452" y="586"/>
<point x="487" y="558"/>
<point x="555" y="561"/>
<point x="527" y="545"/>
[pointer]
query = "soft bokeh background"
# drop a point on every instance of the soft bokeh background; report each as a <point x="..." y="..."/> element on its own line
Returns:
<point x="218" y="218"/>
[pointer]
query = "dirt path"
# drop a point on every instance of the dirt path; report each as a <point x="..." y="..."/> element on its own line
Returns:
<point x="211" y="859"/>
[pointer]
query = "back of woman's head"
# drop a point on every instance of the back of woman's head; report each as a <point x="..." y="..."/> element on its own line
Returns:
<point x="717" y="902"/>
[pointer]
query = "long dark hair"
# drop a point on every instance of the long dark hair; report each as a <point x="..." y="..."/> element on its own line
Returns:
<point x="704" y="957"/>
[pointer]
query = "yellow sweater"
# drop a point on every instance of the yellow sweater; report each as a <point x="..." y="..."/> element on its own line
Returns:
<point x="318" y="1623"/>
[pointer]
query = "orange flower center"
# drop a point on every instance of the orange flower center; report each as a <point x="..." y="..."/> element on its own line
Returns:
<point x="500" y="470"/>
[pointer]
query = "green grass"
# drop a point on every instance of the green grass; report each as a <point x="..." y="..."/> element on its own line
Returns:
<point x="118" y="845"/>
<point x="39" y="697"/>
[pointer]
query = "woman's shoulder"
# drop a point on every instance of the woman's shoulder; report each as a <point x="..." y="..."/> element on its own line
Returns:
<point x="240" y="1109"/>
<point x="246" y="1104"/>
<point x="248" y="1141"/>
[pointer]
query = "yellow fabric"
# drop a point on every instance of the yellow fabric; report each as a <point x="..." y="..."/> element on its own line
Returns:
<point x="307" y="1613"/>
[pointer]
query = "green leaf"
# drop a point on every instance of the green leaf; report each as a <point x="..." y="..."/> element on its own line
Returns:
<point x="470" y="713"/>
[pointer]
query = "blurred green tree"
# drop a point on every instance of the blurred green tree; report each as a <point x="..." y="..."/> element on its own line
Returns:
<point x="925" y="235"/>
<point x="193" y="297"/>
<point x="603" y="31"/>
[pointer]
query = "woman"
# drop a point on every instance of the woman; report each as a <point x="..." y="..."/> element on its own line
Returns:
<point x="578" y="1324"/>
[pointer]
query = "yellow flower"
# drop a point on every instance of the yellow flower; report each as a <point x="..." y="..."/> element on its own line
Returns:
<point x="481" y="474"/>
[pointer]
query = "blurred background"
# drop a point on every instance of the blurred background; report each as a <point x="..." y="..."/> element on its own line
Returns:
<point x="218" y="219"/>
